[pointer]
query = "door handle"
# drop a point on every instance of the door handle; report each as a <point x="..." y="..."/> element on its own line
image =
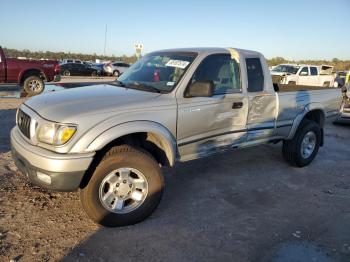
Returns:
<point x="237" y="105"/>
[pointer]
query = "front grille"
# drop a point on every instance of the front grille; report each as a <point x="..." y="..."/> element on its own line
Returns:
<point x="23" y="122"/>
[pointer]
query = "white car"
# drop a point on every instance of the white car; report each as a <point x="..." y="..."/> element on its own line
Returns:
<point x="115" y="68"/>
<point x="308" y="75"/>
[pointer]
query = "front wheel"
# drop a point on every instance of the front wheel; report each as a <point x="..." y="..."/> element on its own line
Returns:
<point x="124" y="189"/>
<point x="303" y="148"/>
<point x="33" y="85"/>
<point x="116" y="73"/>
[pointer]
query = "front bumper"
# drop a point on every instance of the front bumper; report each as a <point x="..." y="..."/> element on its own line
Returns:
<point x="66" y="171"/>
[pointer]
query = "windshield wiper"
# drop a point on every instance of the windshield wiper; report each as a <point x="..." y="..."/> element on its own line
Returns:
<point x="137" y="85"/>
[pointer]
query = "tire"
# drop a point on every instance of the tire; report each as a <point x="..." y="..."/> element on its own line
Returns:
<point x="326" y="84"/>
<point x="66" y="73"/>
<point x="122" y="158"/>
<point x="94" y="74"/>
<point x="116" y="73"/>
<point x="292" y="149"/>
<point x="33" y="85"/>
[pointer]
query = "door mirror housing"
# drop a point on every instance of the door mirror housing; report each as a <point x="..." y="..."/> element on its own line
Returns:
<point x="200" y="89"/>
<point x="303" y="73"/>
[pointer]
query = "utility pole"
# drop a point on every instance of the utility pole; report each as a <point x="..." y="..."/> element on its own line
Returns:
<point x="104" y="49"/>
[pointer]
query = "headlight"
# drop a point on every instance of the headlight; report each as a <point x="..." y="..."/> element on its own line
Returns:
<point x="55" y="134"/>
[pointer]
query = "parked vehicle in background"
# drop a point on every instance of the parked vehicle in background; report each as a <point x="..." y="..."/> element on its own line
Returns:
<point x="115" y="68"/>
<point x="344" y="115"/>
<point x="99" y="66"/>
<point x="65" y="61"/>
<point x="340" y="78"/>
<point x="29" y="74"/>
<point x="307" y="75"/>
<point x="75" y="69"/>
<point x="171" y="105"/>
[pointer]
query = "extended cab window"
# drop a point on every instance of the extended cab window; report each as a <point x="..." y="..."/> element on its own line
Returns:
<point x="255" y="75"/>
<point x="313" y="71"/>
<point x="222" y="70"/>
<point x="304" y="71"/>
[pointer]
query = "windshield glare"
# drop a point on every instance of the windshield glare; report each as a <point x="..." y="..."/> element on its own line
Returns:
<point x="160" y="71"/>
<point x="286" y="69"/>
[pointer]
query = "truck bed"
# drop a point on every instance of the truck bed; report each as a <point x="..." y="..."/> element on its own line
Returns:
<point x="291" y="100"/>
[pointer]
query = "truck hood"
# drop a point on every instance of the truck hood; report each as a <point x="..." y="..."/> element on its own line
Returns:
<point x="279" y="73"/>
<point x="63" y="105"/>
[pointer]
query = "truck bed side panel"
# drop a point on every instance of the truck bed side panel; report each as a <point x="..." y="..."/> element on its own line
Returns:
<point x="298" y="103"/>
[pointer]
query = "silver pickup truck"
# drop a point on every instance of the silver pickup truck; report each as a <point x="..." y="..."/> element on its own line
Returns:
<point x="111" y="140"/>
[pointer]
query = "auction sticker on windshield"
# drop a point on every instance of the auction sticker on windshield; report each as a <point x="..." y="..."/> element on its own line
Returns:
<point x="177" y="63"/>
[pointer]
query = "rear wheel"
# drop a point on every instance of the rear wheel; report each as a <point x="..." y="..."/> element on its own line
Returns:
<point x="66" y="73"/>
<point x="116" y="73"/>
<point x="302" y="149"/>
<point x="326" y="84"/>
<point x="33" y="85"/>
<point x="124" y="189"/>
<point x="94" y="74"/>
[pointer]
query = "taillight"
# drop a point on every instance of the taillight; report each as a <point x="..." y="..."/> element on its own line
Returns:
<point x="57" y="68"/>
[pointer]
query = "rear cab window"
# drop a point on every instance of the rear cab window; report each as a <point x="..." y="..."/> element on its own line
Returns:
<point x="255" y="75"/>
<point x="313" y="71"/>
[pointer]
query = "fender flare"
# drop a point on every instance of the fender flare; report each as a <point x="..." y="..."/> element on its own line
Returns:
<point x="300" y="117"/>
<point x="23" y="72"/>
<point x="164" y="137"/>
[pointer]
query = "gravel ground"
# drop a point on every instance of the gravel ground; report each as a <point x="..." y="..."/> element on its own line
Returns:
<point x="246" y="205"/>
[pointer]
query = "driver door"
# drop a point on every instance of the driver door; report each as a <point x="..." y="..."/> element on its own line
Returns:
<point x="210" y="124"/>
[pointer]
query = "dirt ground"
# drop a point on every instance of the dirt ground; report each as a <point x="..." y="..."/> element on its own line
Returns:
<point x="246" y="205"/>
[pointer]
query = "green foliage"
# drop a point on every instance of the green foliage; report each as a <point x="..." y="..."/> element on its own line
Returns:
<point x="339" y="65"/>
<point x="63" y="55"/>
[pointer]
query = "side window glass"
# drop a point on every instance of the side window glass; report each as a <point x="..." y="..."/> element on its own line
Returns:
<point x="255" y="75"/>
<point x="313" y="71"/>
<point x="304" y="71"/>
<point x="222" y="70"/>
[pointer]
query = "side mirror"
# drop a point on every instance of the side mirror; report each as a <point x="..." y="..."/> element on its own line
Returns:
<point x="201" y="89"/>
<point x="303" y="73"/>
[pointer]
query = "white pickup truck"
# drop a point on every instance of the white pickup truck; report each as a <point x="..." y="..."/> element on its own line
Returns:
<point x="306" y="75"/>
<point x="110" y="140"/>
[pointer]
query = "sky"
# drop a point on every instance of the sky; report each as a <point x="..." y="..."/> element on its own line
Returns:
<point x="298" y="29"/>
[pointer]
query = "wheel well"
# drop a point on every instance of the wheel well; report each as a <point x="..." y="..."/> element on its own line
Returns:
<point x="146" y="141"/>
<point x="31" y="72"/>
<point x="317" y="116"/>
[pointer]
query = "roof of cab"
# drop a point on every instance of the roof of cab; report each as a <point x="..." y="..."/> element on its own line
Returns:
<point x="211" y="50"/>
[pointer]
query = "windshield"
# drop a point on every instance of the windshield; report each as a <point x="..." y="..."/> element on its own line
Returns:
<point x="286" y="69"/>
<point x="159" y="71"/>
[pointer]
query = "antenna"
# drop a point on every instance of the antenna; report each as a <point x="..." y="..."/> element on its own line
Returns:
<point x="104" y="49"/>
